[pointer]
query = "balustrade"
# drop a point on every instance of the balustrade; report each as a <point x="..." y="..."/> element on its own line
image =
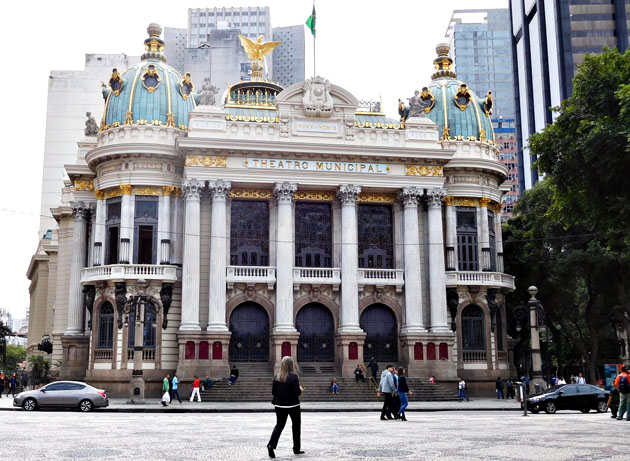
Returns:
<point x="382" y="277"/>
<point x="129" y="272"/>
<point x="474" y="356"/>
<point x="489" y="279"/>
<point x="251" y="274"/>
<point x="103" y="355"/>
<point x="316" y="276"/>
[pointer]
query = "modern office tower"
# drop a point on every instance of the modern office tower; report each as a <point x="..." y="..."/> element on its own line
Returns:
<point x="288" y="58"/>
<point x="482" y="50"/>
<point x="251" y="21"/>
<point x="550" y="39"/>
<point x="175" y="54"/>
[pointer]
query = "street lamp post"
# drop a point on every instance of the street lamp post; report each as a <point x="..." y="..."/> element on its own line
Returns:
<point x="532" y="314"/>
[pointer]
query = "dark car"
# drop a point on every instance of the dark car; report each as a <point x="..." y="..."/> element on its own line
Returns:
<point x="582" y="397"/>
<point x="63" y="394"/>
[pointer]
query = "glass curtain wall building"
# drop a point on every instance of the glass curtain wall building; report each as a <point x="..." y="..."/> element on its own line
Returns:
<point x="550" y="39"/>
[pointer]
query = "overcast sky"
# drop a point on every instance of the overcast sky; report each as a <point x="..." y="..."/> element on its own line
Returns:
<point x="371" y="48"/>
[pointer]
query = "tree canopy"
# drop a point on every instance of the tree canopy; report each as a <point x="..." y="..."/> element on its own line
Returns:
<point x="571" y="232"/>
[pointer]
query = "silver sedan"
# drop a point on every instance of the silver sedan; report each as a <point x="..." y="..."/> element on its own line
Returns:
<point x="63" y="394"/>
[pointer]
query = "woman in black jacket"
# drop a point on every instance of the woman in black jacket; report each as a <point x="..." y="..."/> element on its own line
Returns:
<point x="403" y="393"/>
<point x="286" y="391"/>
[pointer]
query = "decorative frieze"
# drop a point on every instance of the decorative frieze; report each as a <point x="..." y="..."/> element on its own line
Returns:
<point x="484" y="202"/>
<point x="99" y="194"/>
<point x="377" y="197"/>
<point x="126" y="189"/>
<point x="251" y="193"/>
<point x="467" y="202"/>
<point x="424" y="170"/>
<point x="146" y="190"/>
<point x="83" y="185"/>
<point x="206" y="161"/>
<point x="315" y="195"/>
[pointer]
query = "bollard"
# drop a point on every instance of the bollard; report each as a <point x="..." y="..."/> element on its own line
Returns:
<point x="522" y="391"/>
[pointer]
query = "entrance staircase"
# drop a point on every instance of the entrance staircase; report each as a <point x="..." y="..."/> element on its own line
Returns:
<point x="254" y="385"/>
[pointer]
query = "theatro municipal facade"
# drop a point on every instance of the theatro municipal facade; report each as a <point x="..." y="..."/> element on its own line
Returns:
<point x="194" y="234"/>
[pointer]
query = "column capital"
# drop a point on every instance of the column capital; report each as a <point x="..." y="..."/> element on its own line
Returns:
<point x="348" y="193"/>
<point x="449" y="200"/>
<point x="99" y="194"/>
<point x="81" y="210"/>
<point x="410" y="196"/>
<point x="219" y="189"/>
<point x="191" y="189"/>
<point x="283" y="191"/>
<point x="484" y="202"/>
<point x="435" y="196"/>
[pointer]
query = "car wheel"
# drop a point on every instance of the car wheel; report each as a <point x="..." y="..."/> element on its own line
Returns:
<point x="550" y="408"/>
<point x="86" y="405"/>
<point x="29" y="405"/>
<point x="585" y="410"/>
<point x="602" y="406"/>
<point x="535" y="410"/>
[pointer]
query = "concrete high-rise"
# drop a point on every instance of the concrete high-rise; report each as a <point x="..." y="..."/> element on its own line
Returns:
<point x="480" y="45"/>
<point x="550" y="39"/>
<point x="288" y="58"/>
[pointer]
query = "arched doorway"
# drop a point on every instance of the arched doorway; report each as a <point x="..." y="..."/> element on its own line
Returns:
<point x="249" y="325"/>
<point x="317" y="338"/>
<point x="381" y="342"/>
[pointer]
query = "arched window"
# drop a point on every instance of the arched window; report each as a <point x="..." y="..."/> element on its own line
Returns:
<point x="105" y="326"/>
<point x="473" y="331"/>
<point x="431" y="351"/>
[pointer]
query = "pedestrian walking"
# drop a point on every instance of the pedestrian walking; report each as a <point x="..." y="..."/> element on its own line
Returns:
<point x="510" y="388"/>
<point x="403" y="393"/>
<point x="622" y="384"/>
<point x="13" y="382"/>
<point x="373" y="366"/>
<point x="195" y="390"/>
<point x="286" y="391"/>
<point x="395" y="397"/>
<point x="2" y="378"/>
<point x="613" y="402"/>
<point x="499" y="385"/>
<point x="175" y="388"/>
<point x="580" y="379"/>
<point x="386" y="388"/>
<point x="166" y="396"/>
<point x="462" y="390"/>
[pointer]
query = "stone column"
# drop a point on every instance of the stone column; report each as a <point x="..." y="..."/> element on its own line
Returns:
<point x="76" y="315"/>
<point x="126" y="225"/>
<point x="484" y="234"/>
<point x="451" y="234"/>
<point x="98" y="255"/>
<point x="499" y="240"/>
<point x="414" y="316"/>
<point x="190" y="275"/>
<point x="349" y="318"/>
<point x="437" y="276"/>
<point x="284" y="258"/>
<point x="218" y="255"/>
<point x="164" y="226"/>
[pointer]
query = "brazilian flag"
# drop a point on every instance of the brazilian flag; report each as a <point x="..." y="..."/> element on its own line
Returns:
<point x="310" y="22"/>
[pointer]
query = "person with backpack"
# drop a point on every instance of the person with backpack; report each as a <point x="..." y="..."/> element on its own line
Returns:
<point x="499" y="385"/>
<point x="623" y="385"/>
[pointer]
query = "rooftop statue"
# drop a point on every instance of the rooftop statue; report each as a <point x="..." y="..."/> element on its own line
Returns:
<point x="256" y="52"/>
<point x="208" y="90"/>
<point x="91" y="128"/>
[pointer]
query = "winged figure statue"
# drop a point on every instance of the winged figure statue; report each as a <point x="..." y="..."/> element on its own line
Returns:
<point x="256" y="51"/>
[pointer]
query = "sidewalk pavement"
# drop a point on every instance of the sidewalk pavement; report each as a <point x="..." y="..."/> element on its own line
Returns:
<point x="154" y="406"/>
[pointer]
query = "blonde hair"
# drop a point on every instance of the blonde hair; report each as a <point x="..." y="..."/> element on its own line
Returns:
<point x="286" y="366"/>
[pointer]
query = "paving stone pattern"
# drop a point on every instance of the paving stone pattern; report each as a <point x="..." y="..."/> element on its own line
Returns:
<point x="447" y="435"/>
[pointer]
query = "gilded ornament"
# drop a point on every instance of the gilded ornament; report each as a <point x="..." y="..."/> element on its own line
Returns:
<point x="83" y="185"/>
<point x="125" y="189"/>
<point x="114" y="192"/>
<point x="314" y="195"/>
<point x="495" y="206"/>
<point x="151" y="79"/>
<point x="251" y="193"/>
<point x="463" y="97"/>
<point x="471" y="202"/>
<point x="186" y="87"/>
<point x="207" y="161"/>
<point x="376" y="197"/>
<point x="99" y="194"/>
<point x="484" y="201"/>
<point x="448" y="200"/>
<point x="146" y="190"/>
<point x="167" y="190"/>
<point x="424" y="170"/>
<point x="115" y="82"/>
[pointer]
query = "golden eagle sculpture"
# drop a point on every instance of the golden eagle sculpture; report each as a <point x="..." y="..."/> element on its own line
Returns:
<point x="256" y="51"/>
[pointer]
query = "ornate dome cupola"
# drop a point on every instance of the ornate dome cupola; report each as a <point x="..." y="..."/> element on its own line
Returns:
<point x="459" y="113"/>
<point x="149" y="93"/>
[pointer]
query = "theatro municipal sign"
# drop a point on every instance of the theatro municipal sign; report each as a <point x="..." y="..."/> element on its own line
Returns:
<point x="316" y="165"/>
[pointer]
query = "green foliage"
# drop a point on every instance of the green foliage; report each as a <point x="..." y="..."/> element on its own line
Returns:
<point x="571" y="232"/>
<point x="40" y="369"/>
<point x="15" y="355"/>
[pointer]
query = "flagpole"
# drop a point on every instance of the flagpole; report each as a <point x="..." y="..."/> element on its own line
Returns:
<point x="314" y="40"/>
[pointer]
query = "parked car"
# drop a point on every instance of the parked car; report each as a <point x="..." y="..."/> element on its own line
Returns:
<point x="63" y="394"/>
<point x="582" y="397"/>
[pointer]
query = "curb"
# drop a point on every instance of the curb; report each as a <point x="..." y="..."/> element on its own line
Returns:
<point x="271" y="410"/>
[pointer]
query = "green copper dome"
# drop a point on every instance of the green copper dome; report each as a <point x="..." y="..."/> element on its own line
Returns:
<point x="457" y="110"/>
<point x="149" y="93"/>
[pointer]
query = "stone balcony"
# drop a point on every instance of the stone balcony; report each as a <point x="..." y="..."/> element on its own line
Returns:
<point x="485" y="279"/>
<point x="251" y="275"/>
<point x="316" y="276"/>
<point x="130" y="272"/>
<point x="381" y="278"/>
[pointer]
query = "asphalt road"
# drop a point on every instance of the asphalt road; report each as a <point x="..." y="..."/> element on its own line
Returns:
<point x="341" y="436"/>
